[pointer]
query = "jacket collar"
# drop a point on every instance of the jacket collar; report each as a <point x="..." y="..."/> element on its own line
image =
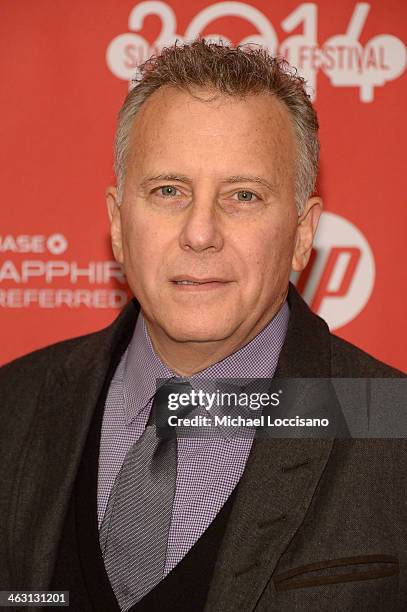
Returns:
<point x="306" y="351"/>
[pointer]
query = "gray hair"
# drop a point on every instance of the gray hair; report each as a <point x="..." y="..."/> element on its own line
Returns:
<point x="235" y="71"/>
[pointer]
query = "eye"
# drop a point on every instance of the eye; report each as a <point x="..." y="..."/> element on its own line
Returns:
<point x="168" y="191"/>
<point x="245" y="196"/>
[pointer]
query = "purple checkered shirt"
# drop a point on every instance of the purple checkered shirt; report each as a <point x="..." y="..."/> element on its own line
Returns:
<point x="209" y="468"/>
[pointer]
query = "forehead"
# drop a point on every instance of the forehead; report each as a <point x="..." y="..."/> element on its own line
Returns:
<point x="206" y="130"/>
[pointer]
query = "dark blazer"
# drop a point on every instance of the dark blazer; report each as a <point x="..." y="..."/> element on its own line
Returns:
<point x="317" y="524"/>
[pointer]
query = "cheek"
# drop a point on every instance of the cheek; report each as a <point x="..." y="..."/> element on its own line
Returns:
<point x="269" y="252"/>
<point x="141" y="248"/>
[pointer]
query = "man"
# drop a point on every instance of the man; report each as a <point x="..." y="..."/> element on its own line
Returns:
<point x="216" y="161"/>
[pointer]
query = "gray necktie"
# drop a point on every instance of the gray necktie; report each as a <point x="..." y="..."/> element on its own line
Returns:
<point x="135" y="527"/>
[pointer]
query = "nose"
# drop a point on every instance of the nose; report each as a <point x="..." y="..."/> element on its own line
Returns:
<point x="201" y="230"/>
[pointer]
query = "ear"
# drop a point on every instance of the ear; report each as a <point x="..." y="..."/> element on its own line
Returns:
<point x="113" y="209"/>
<point x="306" y="229"/>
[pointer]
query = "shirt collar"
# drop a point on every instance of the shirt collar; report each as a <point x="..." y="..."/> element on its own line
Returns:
<point x="141" y="366"/>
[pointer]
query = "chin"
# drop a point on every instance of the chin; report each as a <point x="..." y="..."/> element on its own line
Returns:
<point x="196" y="331"/>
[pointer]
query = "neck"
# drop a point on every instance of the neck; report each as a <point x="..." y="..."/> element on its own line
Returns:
<point x="190" y="357"/>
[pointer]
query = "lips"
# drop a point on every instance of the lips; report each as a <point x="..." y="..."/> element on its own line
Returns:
<point x="191" y="280"/>
<point x="187" y="282"/>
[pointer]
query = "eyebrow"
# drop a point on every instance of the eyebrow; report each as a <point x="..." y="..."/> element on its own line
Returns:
<point x="252" y="179"/>
<point x="165" y="177"/>
<point x="230" y="179"/>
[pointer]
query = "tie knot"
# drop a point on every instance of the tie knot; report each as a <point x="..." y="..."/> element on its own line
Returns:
<point x="173" y="397"/>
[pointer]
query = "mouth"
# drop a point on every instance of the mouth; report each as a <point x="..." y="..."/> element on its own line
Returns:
<point x="188" y="282"/>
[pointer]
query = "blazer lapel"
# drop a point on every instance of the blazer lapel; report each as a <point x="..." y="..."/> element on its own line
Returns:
<point x="58" y="436"/>
<point x="278" y="483"/>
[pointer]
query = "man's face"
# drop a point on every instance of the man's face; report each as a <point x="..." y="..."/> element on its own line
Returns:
<point x="208" y="228"/>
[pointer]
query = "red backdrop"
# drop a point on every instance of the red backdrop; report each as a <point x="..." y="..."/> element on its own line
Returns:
<point x="64" y="73"/>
